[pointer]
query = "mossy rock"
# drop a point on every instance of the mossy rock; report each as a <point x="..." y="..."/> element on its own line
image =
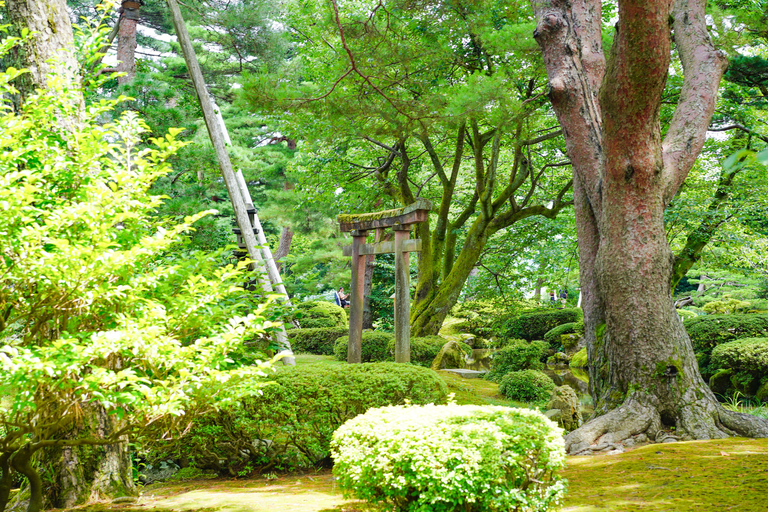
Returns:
<point x="579" y="359"/>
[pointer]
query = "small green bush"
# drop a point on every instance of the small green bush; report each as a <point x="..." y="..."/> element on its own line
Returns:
<point x="319" y="340"/>
<point x="579" y="359"/>
<point x="290" y="424"/>
<point x="708" y="331"/>
<point x="423" y="350"/>
<point x="727" y="306"/>
<point x="747" y="355"/>
<point x="553" y="336"/>
<point x="375" y="346"/>
<point x="527" y="386"/>
<point x="315" y="314"/>
<point x="533" y="326"/>
<point x="517" y="355"/>
<point x="450" y="458"/>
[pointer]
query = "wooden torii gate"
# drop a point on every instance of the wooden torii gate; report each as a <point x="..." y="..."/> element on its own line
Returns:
<point x="400" y="221"/>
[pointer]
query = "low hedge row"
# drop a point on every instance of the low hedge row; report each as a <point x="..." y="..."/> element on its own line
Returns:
<point x="709" y="331"/>
<point x="745" y="355"/>
<point x="380" y="346"/>
<point x="318" y="340"/>
<point x="289" y="425"/>
<point x="534" y="326"/>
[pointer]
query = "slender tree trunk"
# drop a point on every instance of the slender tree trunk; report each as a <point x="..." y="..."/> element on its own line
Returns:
<point x="6" y="479"/>
<point x="644" y="375"/>
<point x="126" y="41"/>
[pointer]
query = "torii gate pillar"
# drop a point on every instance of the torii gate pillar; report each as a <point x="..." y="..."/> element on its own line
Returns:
<point x="400" y="220"/>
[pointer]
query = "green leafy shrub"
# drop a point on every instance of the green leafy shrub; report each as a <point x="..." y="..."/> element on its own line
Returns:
<point x="517" y="355"/>
<point x="320" y="340"/>
<point x="451" y="457"/>
<point x="709" y="331"/>
<point x="727" y="306"/>
<point x="423" y="350"/>
<point x="533" y="326"/>
<point x="527" y="386"/>
<point x="315" y="314"/>
<point x="553" y="336"/>
<point x="579" y="359"/>
<point x="290" y="424"/>
<point x="686" y="314"/>
<point x="489" y="318"/>
<point x="748" y="354"/>
<point x="375" y="346"/>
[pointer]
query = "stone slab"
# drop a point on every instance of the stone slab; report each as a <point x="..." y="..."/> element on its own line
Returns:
<point x="466" y="374"/>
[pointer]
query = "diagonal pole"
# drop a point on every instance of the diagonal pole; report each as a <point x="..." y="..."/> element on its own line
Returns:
<point x="218" y="139"/>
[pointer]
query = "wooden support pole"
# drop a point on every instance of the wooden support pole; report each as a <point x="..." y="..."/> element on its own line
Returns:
<point x="354" y="346"/>
<point x="218" y="140"/>
<point x="402" y="296"/>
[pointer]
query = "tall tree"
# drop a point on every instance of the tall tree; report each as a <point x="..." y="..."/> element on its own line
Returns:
<point x="437" y="100"/>
<point x="643" y="373"/>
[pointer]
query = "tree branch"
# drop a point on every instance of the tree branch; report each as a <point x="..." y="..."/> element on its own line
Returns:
<point x="703" y="66"/>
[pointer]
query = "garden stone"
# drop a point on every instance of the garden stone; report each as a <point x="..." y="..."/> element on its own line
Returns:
<point x="565" y="400"/>
<point x="163" y="471"/>
<point x="554" y="415"/>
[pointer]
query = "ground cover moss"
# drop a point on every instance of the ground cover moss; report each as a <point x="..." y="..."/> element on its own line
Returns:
<point x="724" y="474"/>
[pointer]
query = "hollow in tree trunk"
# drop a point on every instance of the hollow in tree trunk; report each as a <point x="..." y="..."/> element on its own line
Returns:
<point x="643" y="373"/>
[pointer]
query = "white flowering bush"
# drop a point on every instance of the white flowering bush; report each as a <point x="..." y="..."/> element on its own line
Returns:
<point x="451" y="457"/>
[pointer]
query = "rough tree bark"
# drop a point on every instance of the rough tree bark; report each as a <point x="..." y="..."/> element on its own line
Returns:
<point x="643" y="373"/>
<point x="49" y="48"/>
<point x="126" y="40"/>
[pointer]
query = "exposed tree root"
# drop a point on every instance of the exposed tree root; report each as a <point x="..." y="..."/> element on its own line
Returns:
<point x="635" y="421"/>
<point x="630" y="419"/>
<point x="744" y="424"/>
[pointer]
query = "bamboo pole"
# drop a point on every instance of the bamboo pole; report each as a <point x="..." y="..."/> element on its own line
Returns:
<point x="218" y="139"/>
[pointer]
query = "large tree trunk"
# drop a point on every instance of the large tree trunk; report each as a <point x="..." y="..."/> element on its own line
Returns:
<point x="643" y="371"/>
<point x="50" y="45"/>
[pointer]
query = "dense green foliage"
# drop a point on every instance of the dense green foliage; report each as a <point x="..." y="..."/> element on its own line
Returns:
<point x="315" y="314"/>
<point x="708" y="331"/>
<point x="290" y="423"/>
<point x="423" y="350"/>
<point x="579" y="359"/>
<point x="527" y="386"/>
<point x="375" y="346"/>
<point x="517" y="355"/>
<point x="748" y="354"/>
<point x="533" y="326"/>
<point x="107" y="321"/>
<point x="316" y="340"/>
<point x="448" y="458"/>
<point x="553" y="336"/>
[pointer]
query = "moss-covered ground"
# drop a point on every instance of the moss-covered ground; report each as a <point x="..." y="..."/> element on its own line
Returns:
<point x="730" y="474"/>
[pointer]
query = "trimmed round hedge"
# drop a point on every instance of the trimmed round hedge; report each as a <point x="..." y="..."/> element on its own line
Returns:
<point x="452" y="457"/>
<point x="527" y="386"/>
<point x="517" y="355"/>
<point x="318" y="340"/>
<point x="745" y="355"/>
<point x="315" y="314"/>
<point x="290" y="423"/>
